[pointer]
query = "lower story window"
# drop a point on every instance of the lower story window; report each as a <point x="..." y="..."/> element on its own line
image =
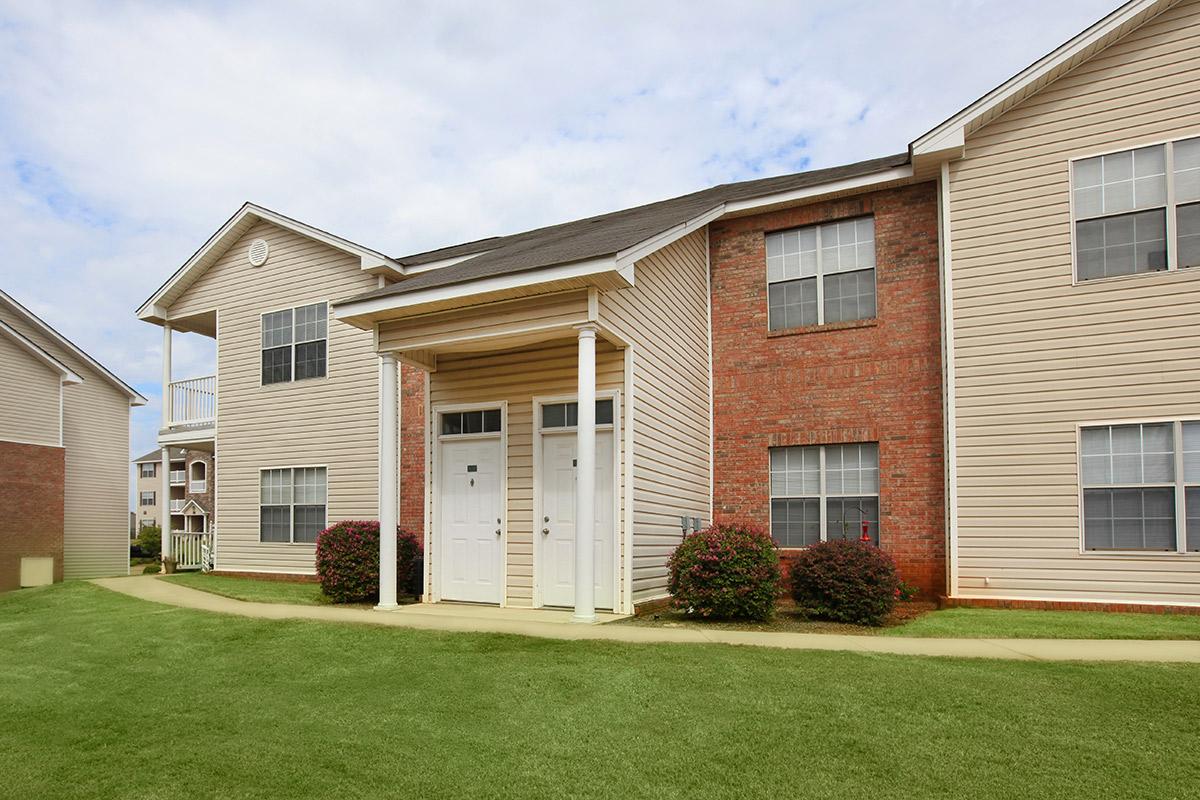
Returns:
<point x="1134" y="496"/>
<point x="292" y="504"/>
<point x="823" y="492"/>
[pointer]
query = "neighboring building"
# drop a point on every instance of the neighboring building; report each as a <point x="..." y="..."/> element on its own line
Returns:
<point x="902" y="348"/>
<point x="1074" y="225"/>
<point x="64" y="435"/>
<point x="191" y="479"/>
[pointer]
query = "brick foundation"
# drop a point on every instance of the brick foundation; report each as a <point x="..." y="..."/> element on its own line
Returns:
<point x="874" y="380"/>
<point x="31" y="508"/>
<point x="1062" y="605"/>
<point x="281" y="577"/>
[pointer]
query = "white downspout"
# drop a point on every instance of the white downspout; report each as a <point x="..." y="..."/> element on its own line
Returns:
<point x="948" y="379"/>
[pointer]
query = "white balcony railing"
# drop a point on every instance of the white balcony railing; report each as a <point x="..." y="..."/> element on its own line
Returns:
<point x="198" y="487"/>
<point x="192" y="550"/>
<point x="178" y="477"/>
<point x="193" y="402"/>
<point x="177" y="506"/>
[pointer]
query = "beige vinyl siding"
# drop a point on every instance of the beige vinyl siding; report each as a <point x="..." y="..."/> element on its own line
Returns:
<point x="329" y="421"/>
<point x="665" y="318"/>
<point x="29" y="396"/>
<point x="96" y="439"/>
<point x="470" y="328"/>
<point x="516" y="377"/>
<point x="1036" y="355"/>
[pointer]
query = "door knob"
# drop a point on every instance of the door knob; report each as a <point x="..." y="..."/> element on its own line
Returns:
<point x="497" y="531"/>
<point x="545" y="531"/>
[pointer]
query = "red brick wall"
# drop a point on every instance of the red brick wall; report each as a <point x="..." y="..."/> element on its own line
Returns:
<point x="31" y="508"/>
<point x="412" y="449"/>
<point x="864" y="381"/>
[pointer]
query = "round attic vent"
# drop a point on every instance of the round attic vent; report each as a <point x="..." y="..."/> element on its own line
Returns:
<point x="259" y="250"/>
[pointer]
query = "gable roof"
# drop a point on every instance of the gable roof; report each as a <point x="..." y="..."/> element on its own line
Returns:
<point x="620" y="232"/>
<point x="154" y="309"/>
<point x="155" y="455"/>
<point x="948" y="138"/>
<point x="31" y="347"/>
<point x="135" y="397"/>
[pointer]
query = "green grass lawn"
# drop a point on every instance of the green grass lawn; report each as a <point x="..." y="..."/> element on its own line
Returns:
<point x="989" y="623"/>
<point x="102" y="695"/>
<point x="255" y="591"/>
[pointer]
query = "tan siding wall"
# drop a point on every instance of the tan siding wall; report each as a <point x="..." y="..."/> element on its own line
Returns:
<point x="461" y="326"/>
<point x="96" y="439"/>
<point x="29" y="393"/>
<point x="1036" y="355"/>
<point x="665" y="317"/>
<point x="330" y="421"/>
<point x="517" y="377"/>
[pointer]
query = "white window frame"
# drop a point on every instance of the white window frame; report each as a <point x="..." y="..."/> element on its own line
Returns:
<point x="1171" y="210"/>
<point x="292" y="505"/>
<point x="823" y="495"/>
<point x="820" y="274"/>
<point x="1180" y="486"/>
<point x="142" y="498"/>
<point x="142" y="469"/>
<point x="293" y="343"/>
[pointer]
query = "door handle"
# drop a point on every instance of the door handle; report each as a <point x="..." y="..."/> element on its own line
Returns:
<point x="497" y="531"/>
<point x="545" y="531"/>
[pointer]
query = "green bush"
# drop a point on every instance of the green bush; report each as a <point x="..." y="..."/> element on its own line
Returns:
<point x="151" y="569"/>
<point x="149" y="542"/>
<point x="727" y="571"/>
<point x="845" y="581"/>
<point x="348" y="561"/>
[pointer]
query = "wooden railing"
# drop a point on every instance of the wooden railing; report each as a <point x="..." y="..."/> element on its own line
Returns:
<point x="192" y="550"/>
<point x="194" y="401"/>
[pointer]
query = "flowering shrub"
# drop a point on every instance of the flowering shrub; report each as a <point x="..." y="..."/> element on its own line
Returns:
<point x="845" y="581"/>
<point x="906" y="592"/>
<point x="727" y="571"/>
<point x="348" y="561"/>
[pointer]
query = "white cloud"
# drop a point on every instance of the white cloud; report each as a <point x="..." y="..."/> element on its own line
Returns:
<point x="130" y="131"/>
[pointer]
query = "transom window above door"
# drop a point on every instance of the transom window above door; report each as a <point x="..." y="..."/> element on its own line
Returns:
<point x="1137" y="210"/>
<point x="566" y="415"/>
<point x="294" y="345"/>
<point x="458" y="423"/>
<point x="821" y="273"/>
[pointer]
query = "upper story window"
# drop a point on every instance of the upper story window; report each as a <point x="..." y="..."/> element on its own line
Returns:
<point x="821" y="273"/>
<point x="148" y="470"/>
<point x="1141" y="486"/>
<point x="1137" y="211"/>
<point x="294" y="343"/>
<point x="146" y="498"/>
<point x="824" y="492"/>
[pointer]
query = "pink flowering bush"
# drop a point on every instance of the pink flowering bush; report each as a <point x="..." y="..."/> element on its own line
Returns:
<point x="348" y="560"/>
<point x="845" y="581"/>
<point x="727" y="571"/>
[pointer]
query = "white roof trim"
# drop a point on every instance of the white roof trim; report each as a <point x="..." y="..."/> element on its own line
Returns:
<point x="38" y="353"/>
<point x="493" y="283"/>
<point x="135" y="397"/>
<point x="371" y="260"/>
<point x="952" y="132"/>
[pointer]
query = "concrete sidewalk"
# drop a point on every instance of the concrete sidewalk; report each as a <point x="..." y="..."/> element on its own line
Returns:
<point x="554" y="625"/>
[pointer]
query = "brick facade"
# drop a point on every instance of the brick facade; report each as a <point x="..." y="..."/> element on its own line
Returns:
<point x="874" y="380"/>
<point x="412" y="449"/>
<point x="31" y="508"/>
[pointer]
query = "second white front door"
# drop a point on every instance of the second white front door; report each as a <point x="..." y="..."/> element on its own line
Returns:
<point x="471" y="555"/>
<point x="557" y="556"/>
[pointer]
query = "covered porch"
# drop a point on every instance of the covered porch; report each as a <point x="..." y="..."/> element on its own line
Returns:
<point x="524" y="397"/>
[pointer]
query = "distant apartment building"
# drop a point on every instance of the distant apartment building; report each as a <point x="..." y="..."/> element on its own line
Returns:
<point x="190" y="481"/>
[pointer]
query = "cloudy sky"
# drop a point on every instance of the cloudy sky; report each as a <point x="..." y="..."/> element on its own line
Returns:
<point x="130" y="131"/>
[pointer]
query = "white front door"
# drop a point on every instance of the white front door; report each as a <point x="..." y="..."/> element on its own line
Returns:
<point x="557" y="557"/>
<point x="469" y="518"/>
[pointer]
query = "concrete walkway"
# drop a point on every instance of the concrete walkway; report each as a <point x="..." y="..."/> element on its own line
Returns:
<point x="554" y="625"/>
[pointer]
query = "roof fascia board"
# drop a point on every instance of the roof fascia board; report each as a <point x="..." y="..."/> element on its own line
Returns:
<point x="955" y="126"/>
<point x="626" y="258"/>
<point x="38" y="353"/>
<point x="578" y="269"/>
<point x="370" y="260"/>
<point x="135" y="397"/>
<point x="817" y="190"/>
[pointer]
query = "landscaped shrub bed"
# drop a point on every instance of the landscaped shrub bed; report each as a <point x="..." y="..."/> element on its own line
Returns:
<point x="348" y="561"/>
<point x="727" y="571"/>
<point x="845" y="581"/>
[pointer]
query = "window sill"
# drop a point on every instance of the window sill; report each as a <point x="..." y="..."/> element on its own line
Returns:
<point x="853" y="324"/>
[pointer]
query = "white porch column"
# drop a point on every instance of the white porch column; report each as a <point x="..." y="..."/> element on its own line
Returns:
<point x="389" y="484"/>
<point x="164" y="502"/>
<point x="585" y="481"/>
<point x="166" y="376"/>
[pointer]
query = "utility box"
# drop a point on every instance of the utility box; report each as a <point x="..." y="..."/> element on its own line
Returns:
<point x="37" y="572"/>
